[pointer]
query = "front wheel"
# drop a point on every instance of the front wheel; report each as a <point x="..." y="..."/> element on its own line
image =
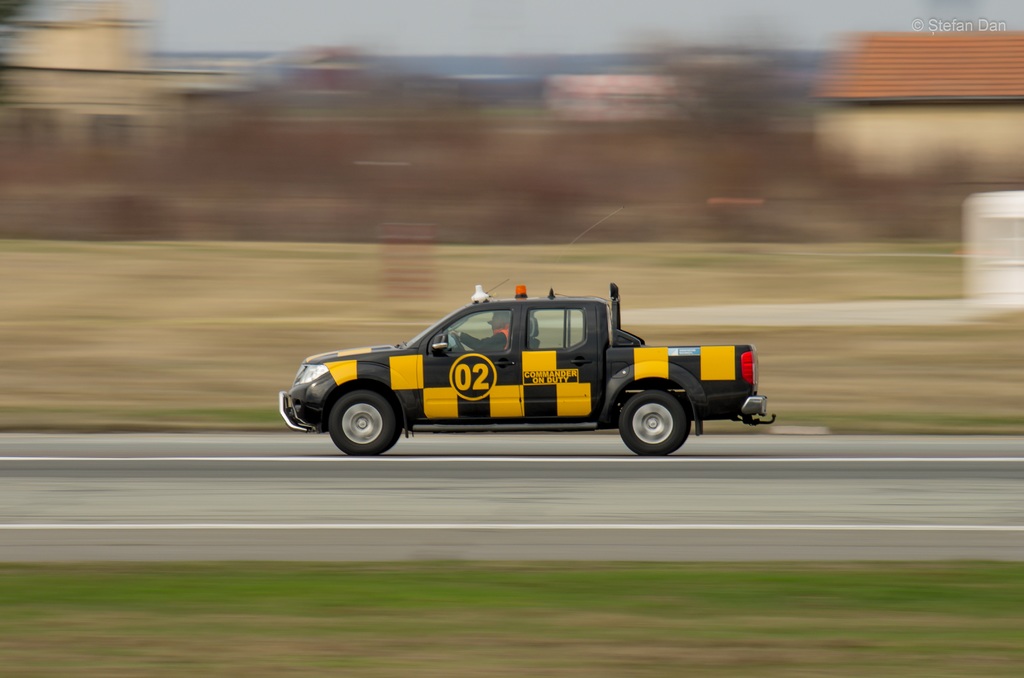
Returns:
<point x="653" y="423"/>
<point x="363" y="423"/>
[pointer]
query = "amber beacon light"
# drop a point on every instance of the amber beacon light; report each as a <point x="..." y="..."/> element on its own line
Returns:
<point x="520" y="291"/>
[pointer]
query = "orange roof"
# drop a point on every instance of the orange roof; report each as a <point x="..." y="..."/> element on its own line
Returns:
<point x="879" y="66"/>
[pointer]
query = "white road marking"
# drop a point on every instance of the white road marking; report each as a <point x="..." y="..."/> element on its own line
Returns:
<point x="840" y="527"/>
<point x="545" y="460"/>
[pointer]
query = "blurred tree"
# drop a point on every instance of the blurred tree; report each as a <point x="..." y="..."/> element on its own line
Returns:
<point x="9" y="9"/>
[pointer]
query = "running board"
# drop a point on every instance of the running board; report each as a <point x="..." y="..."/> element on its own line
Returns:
<point x="503" y="428"/>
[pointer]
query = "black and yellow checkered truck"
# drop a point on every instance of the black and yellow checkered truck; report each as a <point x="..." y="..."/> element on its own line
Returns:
<point x="525" y="364"/>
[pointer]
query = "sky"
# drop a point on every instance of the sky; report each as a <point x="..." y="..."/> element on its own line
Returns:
<point x="456" y="27"/>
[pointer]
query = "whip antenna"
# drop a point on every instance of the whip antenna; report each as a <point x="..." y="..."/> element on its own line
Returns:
<point x="498" y="285"/>
<point x="606" y="218"/>
<point x="574" y="240"/>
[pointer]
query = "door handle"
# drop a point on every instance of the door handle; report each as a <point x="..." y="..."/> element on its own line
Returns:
<point x="579" y="361"/>
<point x="504" y="362"/>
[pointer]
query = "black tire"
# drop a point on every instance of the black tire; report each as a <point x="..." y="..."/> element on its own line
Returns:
<point x="653" y="423"/>
<point x="363" y="423"/>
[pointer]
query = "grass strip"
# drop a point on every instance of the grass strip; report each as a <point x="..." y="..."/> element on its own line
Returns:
<point x="512" y="619"/>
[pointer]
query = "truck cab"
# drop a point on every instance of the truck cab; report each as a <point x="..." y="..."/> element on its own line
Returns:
<point x="524" y="364"/>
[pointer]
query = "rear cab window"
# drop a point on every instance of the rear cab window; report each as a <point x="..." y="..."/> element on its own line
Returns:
<point x="555" y="329"/>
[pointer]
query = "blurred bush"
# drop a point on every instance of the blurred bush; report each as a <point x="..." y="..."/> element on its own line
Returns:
<point x="738" y="163"/>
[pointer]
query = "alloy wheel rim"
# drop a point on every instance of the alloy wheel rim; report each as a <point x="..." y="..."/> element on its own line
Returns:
<point x="362" y="423"/>
<point x="652" y="423"/>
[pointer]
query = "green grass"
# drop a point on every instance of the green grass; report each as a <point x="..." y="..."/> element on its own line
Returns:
<point x="459" y="619"/>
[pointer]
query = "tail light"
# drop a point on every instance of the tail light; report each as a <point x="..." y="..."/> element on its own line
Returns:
<point x="748" y="367"/>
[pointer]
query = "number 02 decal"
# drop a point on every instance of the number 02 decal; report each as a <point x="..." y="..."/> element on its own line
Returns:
<point x="472" y="376"/>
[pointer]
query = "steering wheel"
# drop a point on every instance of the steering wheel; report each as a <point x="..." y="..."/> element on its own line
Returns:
<point x="453" y="341"/>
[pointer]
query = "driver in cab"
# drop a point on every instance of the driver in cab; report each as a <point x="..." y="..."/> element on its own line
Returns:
<point x="499" y="339"/>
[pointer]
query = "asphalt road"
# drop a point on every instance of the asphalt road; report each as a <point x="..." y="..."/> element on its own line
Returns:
<point x="566" y="497"/>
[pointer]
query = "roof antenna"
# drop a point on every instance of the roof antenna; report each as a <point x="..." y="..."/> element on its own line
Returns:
<point x="576" y="239"/>
<point x="480" y="296"/>
<point x="497" y="286"/>
<point x="606" y="218"/>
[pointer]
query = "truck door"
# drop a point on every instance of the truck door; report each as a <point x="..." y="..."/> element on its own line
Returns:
<point x="478" y="376"/>
<point x="561" y="363"/>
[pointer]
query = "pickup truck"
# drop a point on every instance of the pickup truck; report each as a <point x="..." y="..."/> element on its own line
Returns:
<point x="525" y="364"/>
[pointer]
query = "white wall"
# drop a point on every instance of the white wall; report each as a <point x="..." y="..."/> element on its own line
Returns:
<point x="994" y="236"/>
<point x="905" y="139"/>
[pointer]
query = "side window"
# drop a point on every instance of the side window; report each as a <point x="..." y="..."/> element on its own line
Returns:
<point x="555" y="328"/>
<point x="486" y="331"/>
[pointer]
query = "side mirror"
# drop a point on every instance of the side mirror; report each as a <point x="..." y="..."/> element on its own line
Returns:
<point x="440" y="344"/>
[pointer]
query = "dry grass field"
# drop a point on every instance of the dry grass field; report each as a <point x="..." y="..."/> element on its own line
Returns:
<point x="164" y="336"/>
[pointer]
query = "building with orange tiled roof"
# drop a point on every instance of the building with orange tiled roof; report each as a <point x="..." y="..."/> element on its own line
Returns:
<point x="908" y="102"/>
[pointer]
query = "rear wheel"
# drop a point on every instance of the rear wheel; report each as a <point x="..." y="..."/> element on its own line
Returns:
<point x="363" y="423"/>
<point x="653" y="423"/>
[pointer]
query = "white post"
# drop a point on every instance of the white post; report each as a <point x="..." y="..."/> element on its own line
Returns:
<point x="994" y="236"/>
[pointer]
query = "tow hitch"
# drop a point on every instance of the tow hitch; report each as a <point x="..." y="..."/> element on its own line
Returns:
<point x="750" y="421"/>
<point x="753" y="409"/>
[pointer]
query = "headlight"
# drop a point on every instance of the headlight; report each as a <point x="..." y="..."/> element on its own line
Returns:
<point x="308" y="373"/>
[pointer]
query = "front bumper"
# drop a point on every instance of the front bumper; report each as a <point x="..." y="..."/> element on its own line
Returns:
<point x="287" y="411"/>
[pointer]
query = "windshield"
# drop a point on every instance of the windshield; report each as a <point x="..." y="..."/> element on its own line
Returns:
<point x="415" y="340"/>
<point x="426" y="330"/>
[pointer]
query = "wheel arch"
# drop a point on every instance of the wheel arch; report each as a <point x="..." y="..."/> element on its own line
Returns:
<point x="654" y="422"/>
<point x="363" y="384"/>
<point x="679" y="383"/>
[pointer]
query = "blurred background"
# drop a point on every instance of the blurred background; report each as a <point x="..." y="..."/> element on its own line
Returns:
<point x="321" y="121"/>
<point x="404" y="131"/>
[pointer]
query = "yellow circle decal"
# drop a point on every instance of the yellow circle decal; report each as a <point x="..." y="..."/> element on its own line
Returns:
<point x="472" y="376"/>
